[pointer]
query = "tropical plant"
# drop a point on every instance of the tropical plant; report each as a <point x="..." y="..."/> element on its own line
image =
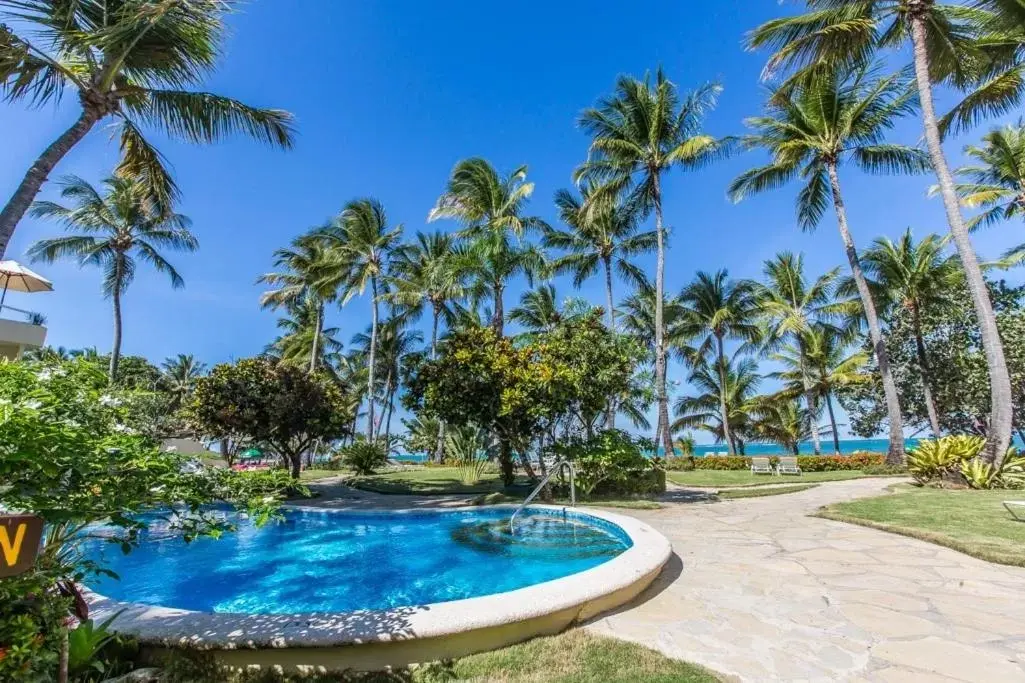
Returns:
<point x="638" y="135"/>
<point x="728" y="397"/>
<point x="637" y="318"/>
<point x="363" y="244"/>
<point x="364" y="457"/>
<point x="539" y="310"/>
<point x="301" y="330"/>
<point x="717" y="309"/>
<point x="422" y="436"/>
<point x="85" y="642"/>
<point x="468" y="446"/>
<point x="490" y="208"/>
<point x="950" y="44"/>
<point x="996" y="182"/>
<point x="810" y="129"/>
<point x="791" y="306"/>
<point x="395" y="344"/>
<point x="914" y="277"/>
<point x="307" y="278"/>
<point x="934" y="459"/>
<point x="613" y="462"/>
<point x="133" y="61"/>
<point x="783" y="421"/>
<point x="116" y="229"/>
<point x="604" y="234"/>
<point x="178" y="377"/>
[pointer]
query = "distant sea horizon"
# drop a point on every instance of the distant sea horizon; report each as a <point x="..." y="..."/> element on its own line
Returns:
<point x="847" y="447"/>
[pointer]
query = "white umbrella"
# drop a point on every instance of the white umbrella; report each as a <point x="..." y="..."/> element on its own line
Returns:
<point x="18" y="278"/>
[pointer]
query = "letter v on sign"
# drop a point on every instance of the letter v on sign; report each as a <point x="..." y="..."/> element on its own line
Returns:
<point x="19" y="543"/>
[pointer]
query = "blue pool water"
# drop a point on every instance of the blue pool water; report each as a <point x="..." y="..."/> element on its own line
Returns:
<point x="342" y="561"/>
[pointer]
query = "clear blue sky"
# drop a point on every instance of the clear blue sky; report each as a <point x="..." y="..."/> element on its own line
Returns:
<point x="388" y="96"/>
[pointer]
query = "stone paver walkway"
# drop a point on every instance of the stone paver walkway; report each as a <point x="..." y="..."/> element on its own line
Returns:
<point x="761" y="592"/>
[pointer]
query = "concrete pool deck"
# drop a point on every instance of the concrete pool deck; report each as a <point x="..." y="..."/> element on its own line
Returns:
<point x="759" y="591"/>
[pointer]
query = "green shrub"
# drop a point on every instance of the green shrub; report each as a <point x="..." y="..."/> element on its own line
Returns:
<point x="468" y="448"/>
<point x="807" y="463"/>
<point x="885" y="469"/>
<point x="613" y="462"/>
<point x="721" y="462"/>
<point x="934" y="459"/>
<point x="363" y="457"/>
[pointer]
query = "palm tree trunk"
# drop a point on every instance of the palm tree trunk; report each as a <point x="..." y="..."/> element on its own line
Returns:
<point x="724" y="409"/>
<point x="384" y="403"/>
<point x="809" y="398"/>
<point x="372" y="360"/>
<point x="662" y="431"/>
<point x="115" y="297"/>
<point x="439" y="449"/>
<point x="29" y="187"/>
<point x="895" y="451"/>
<point x="610" y="413"/>
<point x="316" y="335"/>
<point x="387" y="422"/>
<point x="1000" y="421"/>
<point x="498" y="319"/>
<point x="925" y="373"/>
<point x="832" y="422"/>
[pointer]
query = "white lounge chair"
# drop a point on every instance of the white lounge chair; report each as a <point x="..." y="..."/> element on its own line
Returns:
<point x="1016" y="508"/>
<point x="761" y="466"/>
<point x="788" y="465"/>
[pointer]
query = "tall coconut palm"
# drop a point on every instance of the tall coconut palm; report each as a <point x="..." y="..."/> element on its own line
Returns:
<point x="913" y="276"/>
<point x="178" y="377"/>
<point x="427" y="274"/>
<point x="307" y="278"/>
<point x="540" y="311"/>
<point x="783" y="421"/>
<point x="726" y="398"/>
<point x="395" y="343"/>
<point x="116" y="229"/>
<point x="135" y="62"/>
<point x="823" y="356"/>
<point x="301" y="324"/>
<point x="637" y="318"/>
<point x="363" y="243"/>
<point x="996" y="182"/>
<point x="949" y="46"/>
<point x="489" y="262"/>
<point x="639" y="134"/>
<point x="490" y="208"/>
<point x="604" y="235"/>
<point x="716" y="310"/>
<point x="790" y="306"/>
<point x="810" y="130"/>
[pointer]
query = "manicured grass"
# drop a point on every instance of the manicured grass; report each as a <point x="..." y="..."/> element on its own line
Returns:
<point x="314" y="475"/>
<point x="745" y="478"/>
<point x="428" y="481"/>
<point x="748" y="492"/>
<point x="599" y="501"/>
<point x="572" y="657"/>
<point x="973" y="522"/>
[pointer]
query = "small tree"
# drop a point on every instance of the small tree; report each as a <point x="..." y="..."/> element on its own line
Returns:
<point x="258" y="400"/>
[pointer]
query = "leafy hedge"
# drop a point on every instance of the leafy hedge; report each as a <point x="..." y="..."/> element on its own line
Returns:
<point x="613" y="462"/>
<point x="807" y="463"/>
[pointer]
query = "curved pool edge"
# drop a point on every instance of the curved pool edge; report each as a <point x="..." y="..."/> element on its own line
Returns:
<point x="400" y="636"/>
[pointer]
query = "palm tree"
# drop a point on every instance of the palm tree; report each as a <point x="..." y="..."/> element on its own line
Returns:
<point x="489" y="263"/>
<point x="639" y="134"/>
<point x="116" y="229"/>
<point x="363" y="244"/>
<point x="949" y="44"/>
<point x="490" y="208"/>
<point x="716" y="309"/>
<point x="914" y="277"/>
<point x="606" y="236"/>
<point x="810" y="129"/>
<point x="790" y="307"/>
<point x="178" y="377"/>
<point x="539" y="310"/>
<point x="783" y="421"/>
<point x="301" y="327"/>
<point x="395" y="344"/>
<point x="823" y="357"/>
<point x="996" y="183"/>
<point x="132" y="61"/>
<point x="307" y="278"/>
<point x="726" y="398"/>
<point x="637" y="318"/>
<point x="426" y="274"/>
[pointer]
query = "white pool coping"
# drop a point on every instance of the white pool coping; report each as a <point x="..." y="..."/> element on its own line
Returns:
<point x="165" y="626"/>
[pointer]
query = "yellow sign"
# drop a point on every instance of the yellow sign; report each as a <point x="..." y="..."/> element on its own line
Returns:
<point x="19" y="543"/>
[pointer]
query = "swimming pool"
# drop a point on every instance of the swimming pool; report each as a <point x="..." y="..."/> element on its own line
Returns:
<point x="334" y="590"/>
<point x="326" y="561"/>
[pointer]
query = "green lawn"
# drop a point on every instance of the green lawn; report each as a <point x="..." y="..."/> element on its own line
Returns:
<point x="745" y="478"/>
<point x="973" y="522"/>
<point x="430" y="481"/>
<point x="598" y="501"/>
<point x="748" y="492"/>
<point x="314" y="475"/>
<point x="572" y="657"/>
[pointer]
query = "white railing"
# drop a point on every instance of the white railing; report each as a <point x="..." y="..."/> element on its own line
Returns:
<point x="557" y="467"/>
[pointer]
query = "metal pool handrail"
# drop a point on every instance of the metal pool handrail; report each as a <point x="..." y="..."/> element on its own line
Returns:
<point x="533" y="494"/>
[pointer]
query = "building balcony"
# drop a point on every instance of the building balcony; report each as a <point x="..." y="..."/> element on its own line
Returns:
<point x="16" y="337"/>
